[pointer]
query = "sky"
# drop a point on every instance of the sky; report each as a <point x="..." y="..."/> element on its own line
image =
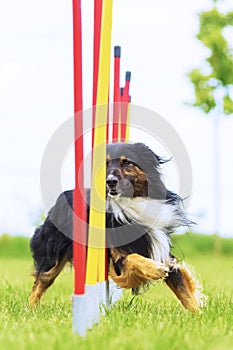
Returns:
<point x="158" y="46"/>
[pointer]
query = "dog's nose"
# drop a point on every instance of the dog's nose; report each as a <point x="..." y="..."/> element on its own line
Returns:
<point x="112" y="181"/>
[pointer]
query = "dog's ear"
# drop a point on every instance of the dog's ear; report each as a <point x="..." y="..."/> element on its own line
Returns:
<point x="149" y="162"/>
<point x="142" y="149"/>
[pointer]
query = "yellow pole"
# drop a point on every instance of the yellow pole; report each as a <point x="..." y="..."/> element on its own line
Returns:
<point x="128" y="123"/>
<point x="95" y="271"/>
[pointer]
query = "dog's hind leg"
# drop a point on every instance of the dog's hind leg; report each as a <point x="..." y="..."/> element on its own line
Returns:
<point x="44" y="280"/>
<point x="187" y="290"/>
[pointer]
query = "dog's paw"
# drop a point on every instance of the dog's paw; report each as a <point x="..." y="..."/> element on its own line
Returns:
<point x="161" y="270"/>
<point x="33" y="300"/>
<point x="138" y="270"/>
<point x="146" y="269"/>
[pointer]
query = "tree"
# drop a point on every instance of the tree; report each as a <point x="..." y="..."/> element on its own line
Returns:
<point x="220" y="62"/>
<point x="218" y="81"/>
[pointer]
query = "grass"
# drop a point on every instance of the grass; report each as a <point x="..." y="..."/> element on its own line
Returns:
<point x="154" y="320"/>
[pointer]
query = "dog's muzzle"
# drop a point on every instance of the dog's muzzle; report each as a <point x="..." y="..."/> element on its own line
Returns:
<point x="119" y="187"/>
<point x="112" y="184"/>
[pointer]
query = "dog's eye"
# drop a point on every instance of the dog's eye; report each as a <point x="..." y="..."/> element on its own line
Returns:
<point x="126" y="162"/>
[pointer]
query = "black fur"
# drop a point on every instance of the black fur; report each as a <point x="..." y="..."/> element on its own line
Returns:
<point x="53" y="240"/>
<point x="49" y="244"/>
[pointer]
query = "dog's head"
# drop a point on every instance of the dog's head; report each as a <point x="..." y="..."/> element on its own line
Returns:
<point x="132" y="171"/>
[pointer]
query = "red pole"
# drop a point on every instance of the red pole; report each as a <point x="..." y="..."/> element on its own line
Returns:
<point x="116" y="94"/>
<point x="79" y="207"/>
<point x="125" y="99"/>
<point x="97" y="32"/>
<point x="127" y="84"/>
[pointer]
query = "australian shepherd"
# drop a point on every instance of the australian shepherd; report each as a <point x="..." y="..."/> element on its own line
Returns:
<point x="141" y="214"/>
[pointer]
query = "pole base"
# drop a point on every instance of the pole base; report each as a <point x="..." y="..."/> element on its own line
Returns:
<point x="86" y="307"/>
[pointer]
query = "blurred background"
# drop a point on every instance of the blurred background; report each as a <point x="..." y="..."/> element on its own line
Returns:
<point x="160" y="48"/>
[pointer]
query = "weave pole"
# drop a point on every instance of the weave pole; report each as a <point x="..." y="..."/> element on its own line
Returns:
<point x="116" y="94"/>
<point x="128" y="120"/>
<point x="96" y="253"/>
<point x="98" y="4"/>
<point x="79" y="207"/>
<point x="121" y="100"/>
<point x="96" y="51"/>
<point x="96" y="237"/>
<point x="90" y="260"/>
<point x="125" y="111"/>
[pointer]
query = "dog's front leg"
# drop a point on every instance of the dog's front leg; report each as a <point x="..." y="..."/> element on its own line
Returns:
<point x="182" y="283"/>
<point x="137" y="270"/>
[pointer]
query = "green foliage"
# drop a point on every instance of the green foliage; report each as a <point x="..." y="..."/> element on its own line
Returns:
<point x="192" y="244"/>
<point x="227" y="104"/>
<point x="220" y="62"/>
<point x="203" y="90"/>
<point x="14" y="247"/>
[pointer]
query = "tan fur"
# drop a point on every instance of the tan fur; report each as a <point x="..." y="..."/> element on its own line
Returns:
<point x="139" y="177"/>
<point x="43" y="281"/>
<point x="186" y="293"/>
<point x="131" y="169"/>
<point x="138" y="270"/>
<point x="116" y="255"/>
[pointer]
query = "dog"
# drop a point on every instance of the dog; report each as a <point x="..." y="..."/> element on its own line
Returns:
<point x="141" y="214"/>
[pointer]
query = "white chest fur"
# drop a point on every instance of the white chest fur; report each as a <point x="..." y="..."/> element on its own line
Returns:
<point x="155" y="214"/>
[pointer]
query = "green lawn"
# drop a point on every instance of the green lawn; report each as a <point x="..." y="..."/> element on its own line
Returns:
<point x="154" y="320"/>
